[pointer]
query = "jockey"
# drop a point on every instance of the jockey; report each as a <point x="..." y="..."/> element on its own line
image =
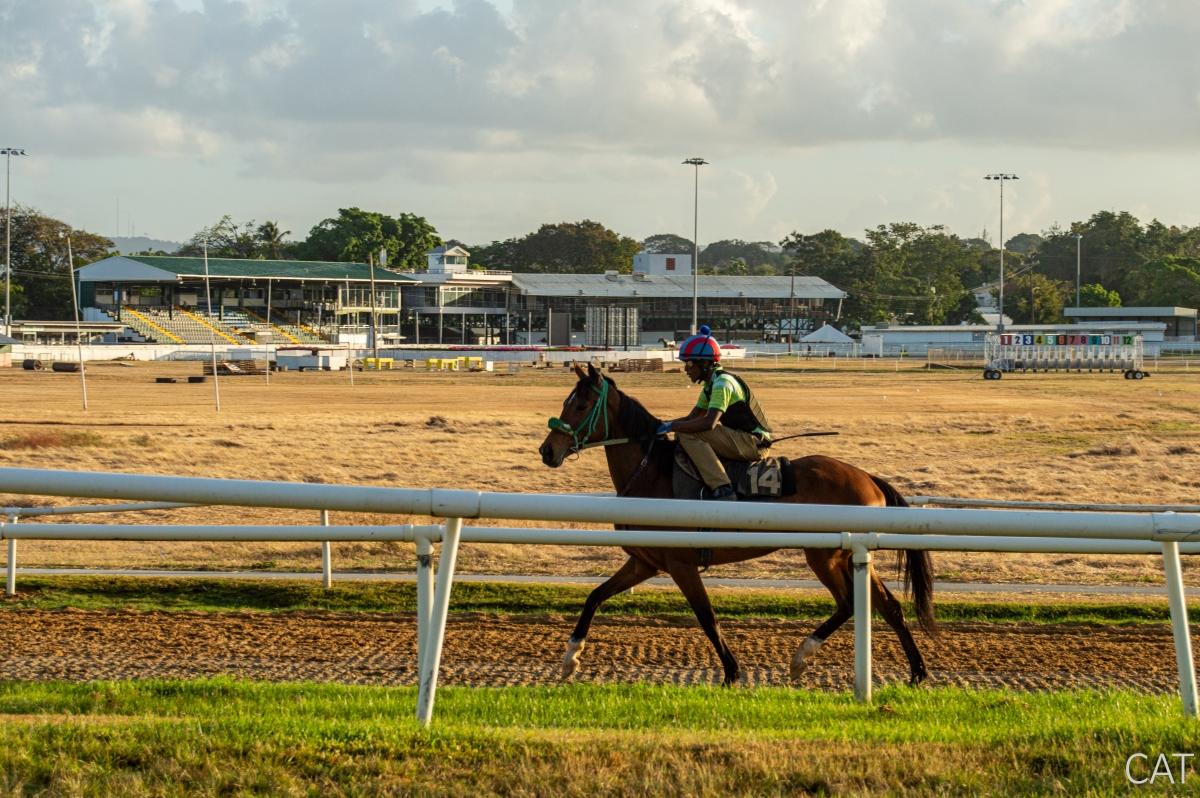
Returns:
<point x="727" y="420"/>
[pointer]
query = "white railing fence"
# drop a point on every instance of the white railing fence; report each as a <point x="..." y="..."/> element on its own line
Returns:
<point x="865" y="529"/>
<point x="12" y="515"/>
<point x="958" y="501"/>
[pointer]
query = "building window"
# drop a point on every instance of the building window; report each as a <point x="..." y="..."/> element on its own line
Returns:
<point x="670" y="264"/>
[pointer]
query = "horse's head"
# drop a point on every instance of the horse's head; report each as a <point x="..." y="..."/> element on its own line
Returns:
<point x="586" y="417"/>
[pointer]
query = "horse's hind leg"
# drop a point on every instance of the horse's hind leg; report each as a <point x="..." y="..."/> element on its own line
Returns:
<point x="632" y="573"/>
<point x="832" y="568"/>
<point x="687" y="577"/>
<point x="893" y="613"/>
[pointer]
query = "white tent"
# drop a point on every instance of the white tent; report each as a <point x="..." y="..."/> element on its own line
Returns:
<point x="827" y="335"/>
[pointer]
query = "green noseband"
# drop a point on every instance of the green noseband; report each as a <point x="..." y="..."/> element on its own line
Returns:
<point x="558" y="425"/>
<point x="590" y="423"/>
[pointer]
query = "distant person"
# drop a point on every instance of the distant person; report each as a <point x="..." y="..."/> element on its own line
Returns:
<point x="727" y="420"/>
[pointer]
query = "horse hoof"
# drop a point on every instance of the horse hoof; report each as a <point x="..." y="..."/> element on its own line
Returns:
<point x="800" y="658"/>
<point x="917" y="678"/>
<point x="570" y="662"/>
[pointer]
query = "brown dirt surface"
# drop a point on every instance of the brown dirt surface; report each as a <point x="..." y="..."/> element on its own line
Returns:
<point x="1073" y="437"/>
<point x="488" y="650"/>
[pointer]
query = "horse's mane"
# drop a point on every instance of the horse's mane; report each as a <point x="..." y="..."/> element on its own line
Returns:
<point x="638" y="422"/>
<point x="641" y="425"/>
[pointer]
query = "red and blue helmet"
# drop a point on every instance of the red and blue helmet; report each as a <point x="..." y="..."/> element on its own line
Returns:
<point x="701" y="346"/>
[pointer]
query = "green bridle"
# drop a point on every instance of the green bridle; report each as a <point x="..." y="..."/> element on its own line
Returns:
<point x="590" y="423"/>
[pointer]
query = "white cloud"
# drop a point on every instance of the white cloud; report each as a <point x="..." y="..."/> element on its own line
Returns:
<point x="644" y="73"/>
<point x="1058" y="24"/>
<point x="538" y="92"/>
<point x="756" y="194"/>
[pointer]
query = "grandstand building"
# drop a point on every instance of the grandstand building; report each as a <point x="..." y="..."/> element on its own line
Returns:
<point x="162" y="299"/>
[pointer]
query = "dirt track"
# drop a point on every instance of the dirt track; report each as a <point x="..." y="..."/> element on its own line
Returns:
<point x="490" y="650"/>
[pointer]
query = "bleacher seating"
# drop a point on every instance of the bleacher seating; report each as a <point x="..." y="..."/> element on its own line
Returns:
<point x="278" y="334"/>
<point x="137" y="320"/>
<point x="303" y="334"/>
<point x="189" y="325"/>
<point x="181" y="325"/>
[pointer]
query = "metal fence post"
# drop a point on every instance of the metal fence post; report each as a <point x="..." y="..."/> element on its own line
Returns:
<point x="424" y="599"/>
<point x="11" y="587"/>
<point x="326" y="554"/>
<point x="862" y="623"/>
<point x="1179" y="626"/>
<point x="437" y="620"/>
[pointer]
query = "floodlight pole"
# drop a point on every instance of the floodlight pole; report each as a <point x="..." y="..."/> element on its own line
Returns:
<point x="8" y="153"/>
<point x="697" y="163"/>
<point x="1001" y="177"/>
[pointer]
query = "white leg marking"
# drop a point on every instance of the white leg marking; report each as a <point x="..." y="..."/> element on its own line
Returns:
<point x="806" y="650"/>
<point x="570" y="662"/>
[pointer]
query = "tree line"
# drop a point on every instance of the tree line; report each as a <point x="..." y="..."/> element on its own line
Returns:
<point x="353" y="235"/>
<point x="899" y="273"/>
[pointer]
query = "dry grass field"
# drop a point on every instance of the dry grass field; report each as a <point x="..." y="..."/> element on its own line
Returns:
<point x="1047" y="437"/>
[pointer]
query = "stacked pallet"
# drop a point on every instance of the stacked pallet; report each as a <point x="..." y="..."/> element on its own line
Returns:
<point x="236" y="368"/>
<point x="639" y="364"/>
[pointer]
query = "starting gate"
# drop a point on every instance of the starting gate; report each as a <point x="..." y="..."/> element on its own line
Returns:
<point x="1080" y="352"/>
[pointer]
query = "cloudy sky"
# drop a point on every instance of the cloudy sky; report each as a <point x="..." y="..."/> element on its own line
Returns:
<point x="490" y="117"/>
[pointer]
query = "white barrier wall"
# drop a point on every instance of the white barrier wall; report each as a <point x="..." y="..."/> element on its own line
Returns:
<point x="125" y="351"/>
<point x="203" y="352"/>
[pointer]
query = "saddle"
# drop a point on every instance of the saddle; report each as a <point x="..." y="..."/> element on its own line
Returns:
<point x="761" y="480"/>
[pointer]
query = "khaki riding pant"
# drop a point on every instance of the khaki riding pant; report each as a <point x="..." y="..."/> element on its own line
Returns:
<point x="705" y="447"/>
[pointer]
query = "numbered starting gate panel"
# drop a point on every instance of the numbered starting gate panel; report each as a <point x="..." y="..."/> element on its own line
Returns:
<point x="1078" y="352"/>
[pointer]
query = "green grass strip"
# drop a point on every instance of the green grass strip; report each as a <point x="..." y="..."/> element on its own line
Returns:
<point x="226" y="737"/>
<point x="229" y="595"/>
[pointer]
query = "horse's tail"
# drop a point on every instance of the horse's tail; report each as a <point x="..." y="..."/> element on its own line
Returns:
<point x="918" y="566"/>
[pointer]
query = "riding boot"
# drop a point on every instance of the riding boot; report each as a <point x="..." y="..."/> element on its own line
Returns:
<point x="725" y="493"/>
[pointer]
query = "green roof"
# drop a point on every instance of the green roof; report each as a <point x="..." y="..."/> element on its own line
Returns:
<point x="288" y="269"/>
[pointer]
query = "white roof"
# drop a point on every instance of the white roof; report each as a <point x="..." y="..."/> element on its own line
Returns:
<point x="442" y="250"/>
<point x="1131" y="312"/>
<point x="1066" y="327"/>
<point x="827" y="335"/>
<point x="711" y="286"/>
<point x="120" y="269"/>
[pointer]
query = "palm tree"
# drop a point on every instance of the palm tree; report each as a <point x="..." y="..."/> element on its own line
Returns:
<point x="270" y="239"/>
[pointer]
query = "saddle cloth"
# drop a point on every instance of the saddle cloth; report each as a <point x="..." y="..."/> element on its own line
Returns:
<point x="764" y="479"/>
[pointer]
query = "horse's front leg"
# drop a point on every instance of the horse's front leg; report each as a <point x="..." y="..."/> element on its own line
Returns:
<point x="685" y="570"/>
<point x="632" y="573"/>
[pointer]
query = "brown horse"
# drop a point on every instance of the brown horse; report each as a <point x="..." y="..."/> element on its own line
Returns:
<point x="597" y="413"/>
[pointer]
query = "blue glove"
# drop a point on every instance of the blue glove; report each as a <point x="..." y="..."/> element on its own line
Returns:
<point x="663" y="429"/>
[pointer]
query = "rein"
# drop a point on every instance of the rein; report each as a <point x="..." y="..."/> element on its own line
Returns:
<point x="637" y="472"/>
<point x="589" y="425"/>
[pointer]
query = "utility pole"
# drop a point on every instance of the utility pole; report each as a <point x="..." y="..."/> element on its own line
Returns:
<point x="8" y="153"/>
<point x="1078" y="251"/>
<point x="792" y="309"/>
<point x="374" y="333"/>
<point x="78" y="333"/>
